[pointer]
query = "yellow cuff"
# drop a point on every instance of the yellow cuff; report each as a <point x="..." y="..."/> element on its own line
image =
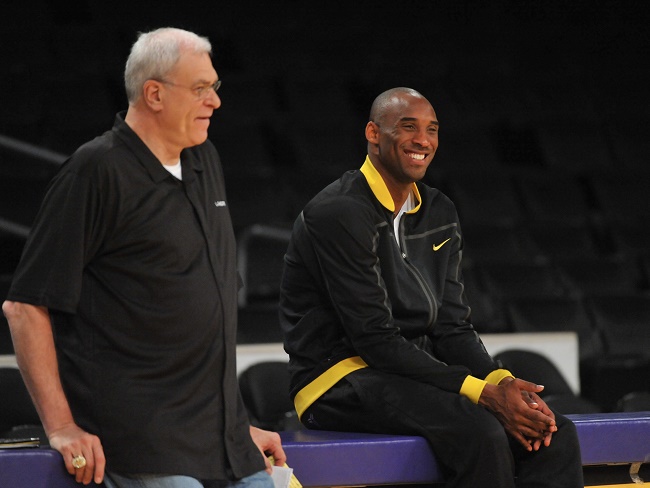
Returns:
<point x="472" y="388"/>
<point x="495" y="377"/>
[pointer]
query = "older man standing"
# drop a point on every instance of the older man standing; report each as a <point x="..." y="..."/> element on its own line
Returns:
<point x="123" y="308"/>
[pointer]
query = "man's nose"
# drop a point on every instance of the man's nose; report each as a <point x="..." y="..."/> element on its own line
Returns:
<point x="422" y="138"/>
<point x="213" y="99"/>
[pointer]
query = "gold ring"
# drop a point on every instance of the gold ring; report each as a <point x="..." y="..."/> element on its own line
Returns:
<point x="78" y="462"/>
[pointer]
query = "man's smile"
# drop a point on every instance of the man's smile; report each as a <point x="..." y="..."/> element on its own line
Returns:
<point x="416" y="156"/>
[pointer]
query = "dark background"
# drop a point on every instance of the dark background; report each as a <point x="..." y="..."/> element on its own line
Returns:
<point x="544" y="147"/>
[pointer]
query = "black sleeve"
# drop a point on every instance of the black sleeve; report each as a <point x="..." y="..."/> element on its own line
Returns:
<point x="62" y="240"/>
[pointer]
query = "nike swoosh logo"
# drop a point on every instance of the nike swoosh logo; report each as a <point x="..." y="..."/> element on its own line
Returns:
<point x="435" y="248"/>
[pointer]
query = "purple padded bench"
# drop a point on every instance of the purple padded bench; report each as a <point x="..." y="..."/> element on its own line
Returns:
<point x="321" y="458"/>
<point x="34" y="468"/>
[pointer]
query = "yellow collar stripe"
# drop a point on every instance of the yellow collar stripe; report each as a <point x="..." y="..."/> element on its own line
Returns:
<point x="314" y="390"/>
<point x="380" y="189"/>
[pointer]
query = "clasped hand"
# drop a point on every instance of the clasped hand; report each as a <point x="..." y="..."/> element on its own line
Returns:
<point x="523" y="414"/>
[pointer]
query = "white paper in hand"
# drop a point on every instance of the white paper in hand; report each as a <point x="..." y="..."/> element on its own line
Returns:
<point x="281" y="476"/>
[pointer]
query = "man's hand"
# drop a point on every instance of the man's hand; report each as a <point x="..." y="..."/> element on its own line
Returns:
<point x="522" y="413"/>
<point x="269" y="444"/>
<point x="72" y="441"/>
<point x="534" y="401"/>
<point x="31" y="333"/>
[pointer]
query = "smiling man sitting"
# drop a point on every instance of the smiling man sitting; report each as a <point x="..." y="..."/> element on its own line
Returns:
<point x="378" y="328"/>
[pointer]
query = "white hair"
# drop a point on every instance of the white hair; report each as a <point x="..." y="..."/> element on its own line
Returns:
<point x="154" y="54"/>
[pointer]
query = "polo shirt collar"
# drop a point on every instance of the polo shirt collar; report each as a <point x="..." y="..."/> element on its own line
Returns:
<point x="148" y="159"/>
<point x="380" y="190"/>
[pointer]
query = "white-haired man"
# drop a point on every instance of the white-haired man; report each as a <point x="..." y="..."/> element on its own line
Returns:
<point x="123" y="308"/>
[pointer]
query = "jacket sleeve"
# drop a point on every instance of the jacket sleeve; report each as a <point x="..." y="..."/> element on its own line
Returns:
<point x="344" y="235"/>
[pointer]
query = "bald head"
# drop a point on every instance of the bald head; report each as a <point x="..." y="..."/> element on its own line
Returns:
<point x="402" y="137"/>
<point x="388" y="101"/>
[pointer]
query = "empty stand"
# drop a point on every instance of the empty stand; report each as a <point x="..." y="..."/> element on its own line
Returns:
<point x="458" y="153"/>
<point x="607" y="379"/>
<point x="246" y="98"/>
<point x="621" y="195"/>
<point x="506" y="280"/>
<point x="87" y="50"/>
<point x="11" y="247"/>
<point x="625" y="365"/>
<point x="495" y="243"/>
<point x="644" y="261"/>
<point x="25" y="171"/>
<point x="6" y="346"/>
<point x="479" y="98"/>
<point x="636" y="401"/>
<point x="245" y="147"/>
<point x="624" y="320"/>
<point x="556" y="314"/>
<point x="317" y="155"/>
<point x="560" y="240"/>
<point x="82" y="109"/>
<point x="574" y="147"/>
<point x="16" y="409"/>
<point x="260" y="255"/>
<point x="534" y="367"/>
<point x="631" y="236"/>
<point x="487" y="314"/>
<point x="257" y="198"/>
<point x="324" y="131"/>
<point x="265" y="390"/>
<point x="555" y="197"/>
<point x="28" y="191"/>
<point x="602" y="274"/>
<point x="543" y="142"/>
<point x="518" y="145"/>
<point x="485" y="198"/>
<point x="551" y="107"/>
<point x="259" y="323"/>
<point x="629" y="141"/>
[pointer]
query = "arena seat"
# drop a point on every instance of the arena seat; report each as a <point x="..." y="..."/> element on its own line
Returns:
<point x="321" y="458"/>
<point x="35" y="468"/>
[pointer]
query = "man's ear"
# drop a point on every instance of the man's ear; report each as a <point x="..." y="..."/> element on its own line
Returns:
<point x="152" y="95"/>
<point x="372" y="132"/>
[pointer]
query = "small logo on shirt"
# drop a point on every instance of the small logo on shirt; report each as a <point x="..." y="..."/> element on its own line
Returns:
<point x="435" y="248"/>
<point x="220" y="203"/>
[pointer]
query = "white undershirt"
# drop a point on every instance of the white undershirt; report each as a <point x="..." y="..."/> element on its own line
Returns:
<point x="175" y="169"/>
<point x="409" y="205"/>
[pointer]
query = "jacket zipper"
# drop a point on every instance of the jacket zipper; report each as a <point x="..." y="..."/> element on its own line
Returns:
<point x="433" y="307"/>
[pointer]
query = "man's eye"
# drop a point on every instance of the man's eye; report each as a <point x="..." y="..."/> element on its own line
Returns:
<point x="201" y="90"/>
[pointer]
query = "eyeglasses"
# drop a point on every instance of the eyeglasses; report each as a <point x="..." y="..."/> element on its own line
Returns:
<point x="201" y="92"/>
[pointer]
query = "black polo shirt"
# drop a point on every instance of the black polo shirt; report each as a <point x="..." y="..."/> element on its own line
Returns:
<point x="138" y="271"/>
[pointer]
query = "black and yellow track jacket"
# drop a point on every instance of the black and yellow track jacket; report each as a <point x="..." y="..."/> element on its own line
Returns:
<point x="352" y="298"/>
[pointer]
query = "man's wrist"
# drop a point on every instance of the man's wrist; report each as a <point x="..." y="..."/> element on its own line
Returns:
<point x="487" y="394"/>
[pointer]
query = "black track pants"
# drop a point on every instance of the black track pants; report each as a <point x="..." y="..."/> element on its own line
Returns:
<point x="469" y="442"/>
